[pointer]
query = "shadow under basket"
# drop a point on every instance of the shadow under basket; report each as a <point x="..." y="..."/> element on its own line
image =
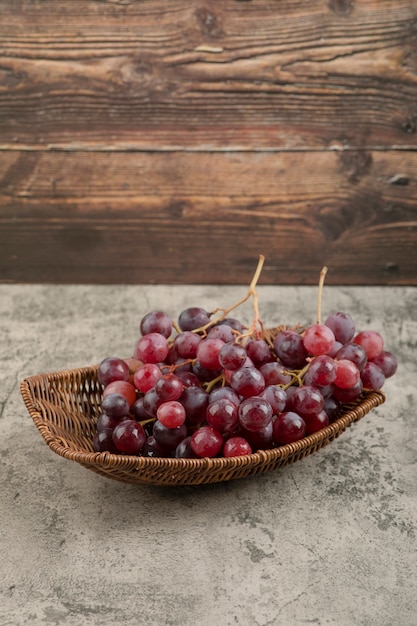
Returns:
<point x="65" y="406"/>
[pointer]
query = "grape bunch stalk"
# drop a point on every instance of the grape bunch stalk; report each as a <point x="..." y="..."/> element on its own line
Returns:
<point x="206" y="385"/>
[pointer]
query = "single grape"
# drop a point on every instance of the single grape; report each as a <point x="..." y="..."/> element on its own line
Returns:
<point x="171" y="414"/>
<point x="318" y="339"/>
<point x="336" y="347"/>
<point x="115" y="405"/>
<point x="275" y="373"/>
<point x="195" y="401"/>
<point x="347" y="374"/>
<point x="151" y="348"/>
<point x="353" y="352"/>
<point x="111" y="369"/>
<point x="288" y="427"/>
<point x="205" y="374"/>
<point x="342" y="325"/>
<point x="206" y="442"/>
<point x="224" y="392"/>
<point x="192" y="318"/>
<point x="322" y="370"/>
<point x="261" y="439"/>
<point x="247" y="381"/>
<point x="236" y="446"/>
<point x="123" y="387"/>
<point x="351" y="394"/>
<point x="188" y="379"/>
<point x="156" y="322"/>
<point x="151" y="402"/>
<point x="146" y="376"/>
<point x="258" y="351"/>
<point x="307" y="401"/>
<point x="314" y="423"/>
<point x="289" y="348"/>
<point x="138" y="411"/>
<point x="233" y="323"/>
<point x="222" y="415"/>
<point x="105" y="422"/>
<point x="184" y="449"/>
<point x="223" y="332"/>
<point x="129" y="437"/>
<point x="152" y="448"/>
<point x="169" y="387"/>
<point x="208" y="352"/>
<point x="332" y="407"/>
<point x="232" y="356"/>
<point x="255" y="413"/>
<point x="371" y="341"/>
<point x="387" y="362"/>
<point x="186" y="344"/>
<point x="133" y="364"/>
<point x="372" y="376"/>
<point x="168" y="438"/>
<point x="276" y="397"/>
<point x="103" y="441"/>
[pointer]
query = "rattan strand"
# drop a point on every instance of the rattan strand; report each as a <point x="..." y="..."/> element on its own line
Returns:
<point x="65" y="406"/>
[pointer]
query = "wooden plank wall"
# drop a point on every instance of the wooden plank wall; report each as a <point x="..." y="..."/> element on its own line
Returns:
<point x="153" y="141"/>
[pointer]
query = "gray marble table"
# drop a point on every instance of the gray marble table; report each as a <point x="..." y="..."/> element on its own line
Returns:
<point x="328" y="540"/>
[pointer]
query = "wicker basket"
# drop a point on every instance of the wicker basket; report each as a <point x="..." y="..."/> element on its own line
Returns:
<point x="65" y="406"/>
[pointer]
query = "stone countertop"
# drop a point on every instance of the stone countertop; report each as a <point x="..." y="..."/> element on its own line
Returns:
<point x="328" y="540"/>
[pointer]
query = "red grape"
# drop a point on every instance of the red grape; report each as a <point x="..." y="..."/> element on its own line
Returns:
<point x="112" y="368"/>
<point x="192" y="318"/>
<point x="232" y="356"/>
<point x="307" y="401"/>
<point x="290" y="349"/>
<point x="129" y="437"/>
<point x="206" y="442"/>
<point x="315" y="423"/>
<point x="222" y="415"/>
<point x="171" y="414"/>
<point x="342" y="325"/>
<point x="156" y="322"/>
<point x="247" y="381"/>
<point x="146" y="376"/>
<point x="151" y="348"/>
<point x="186" y="344"/>
<point x="387" y="362"/>
<point x="318" y="339"/>
<point x="347" y="374"/>
<point x="371" y="341"/>
<point x="208" y="353"/>
<point x="255" y="413"/>
<point x="322" y="370"/>
<point x="288" y="428"/>
<point x="124" y="388"/>
<point x="372" y="376"/>
<point x="236" y="446"/>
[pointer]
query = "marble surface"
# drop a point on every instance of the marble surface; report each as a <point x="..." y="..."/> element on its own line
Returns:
<point x="328" y="540"/>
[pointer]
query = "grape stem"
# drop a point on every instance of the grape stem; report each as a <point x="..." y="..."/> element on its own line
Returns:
<point x="320" y="293"/>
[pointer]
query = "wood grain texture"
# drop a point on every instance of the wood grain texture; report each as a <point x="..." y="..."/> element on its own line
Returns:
<point x="205" y="218"/>
<point x="153" y="141"/>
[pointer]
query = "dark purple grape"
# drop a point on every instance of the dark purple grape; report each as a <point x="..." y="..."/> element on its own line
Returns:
<point x="315" y="423"/>
<point x="247" y="381"/>
<point x="387" y="362"/>
<point x="152" y="448"/>
<point x="342" y="325"/>
<point x="138" y="410"/>
<point x="259" y="352"/>
<point x="255" y="413"/>
<point x="169" y="387"/>
<point x="205" y="374"/>
<point x="115" y="405"/>
<point x="222" y="415"/>
<point x="105" y="422"/>
<point x="129" y="437"/>
<point x="151" y="402"/>
<point x="189" y="379"/>
<point x="261" y="439"/>
<point x="276" y="397"/>
<point x="232" y="356"/>
<point x="195" y="401"/>
<point x="372" y="376"/>
<point x="307" y="401"/>
<point x="156" y="322"/>
<point x="103" y="441"/>
<point x="184" y="449"/>
<point x="169" y="438"/>
<point x="192" y="318"/>
<point x="289" y="348"/>
<point x="224" y="392"/>
<point x="111" y="369"/>
<point x="288" y="428"/>
<point x="350" y="394"/>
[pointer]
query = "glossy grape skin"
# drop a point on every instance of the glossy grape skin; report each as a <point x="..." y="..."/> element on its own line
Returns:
<point x="289" y="348"/>
<point x="332" y="407"/>
<point x="193" y="318"/>
<point x="314" y="423"/>
<point x="106" y="422"/>
<point x="232" y="356"/>
<point x="188" y="379"/>
<point x="255" y="413"/>
<point x="152" y="448"/>
<point x="208" y="352"/>
<point x="222" y="415"/>
<point x="387" y="362"/>
<point x="223" y="332"/>
<point x="103" y="441"/>
<point x="168" y="438"/>
<point x="151" y="348"/>
<point x="307" y="401"/>
<point x="129" y="437"/>
<point x="318" y="339"/>
<point x="247" y="381"/>
<point x="372" y="376"/>
<point x="224" y="392"/>
<point x="184" y="449"/>
<point x="353" y="352"/>
<point x="146" y="376"/>
<point x="206" y="442"/>
<point x="151" y="402"/>
<point x="350" y="394"/>
<point x="169" y="387"/>
<point x="236" y="446"/>
<point x="195" y="401"/>
<point x="288" y="427"/>
<point x="124" y="388"/>
<point x="111" y="369"/>
<point x="259" y="352"/>
<point x="186" y="344"/>
<point x="273" y="373"/>
<point x="115" y="405"/>
<point x="156" y="322"/>
<point x="171" y="414"/>
<point x="371" y="341"/>
<point x="261" y="439"/>
<point x="205" y="374"/>
<point x="347" y="374"/>
<point x="276" y="397"/>
<point x="342" y="325"/>
<point x="322" y="370"/>
<point x="138" y="411"/>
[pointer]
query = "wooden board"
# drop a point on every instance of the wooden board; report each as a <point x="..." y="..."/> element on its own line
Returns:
<point x="175" y="142"/>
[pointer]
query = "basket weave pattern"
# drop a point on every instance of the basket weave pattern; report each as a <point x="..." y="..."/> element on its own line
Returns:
<point x="65" y="406"/>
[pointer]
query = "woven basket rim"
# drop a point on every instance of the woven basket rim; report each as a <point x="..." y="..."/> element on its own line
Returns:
<point x="107" y="460"/>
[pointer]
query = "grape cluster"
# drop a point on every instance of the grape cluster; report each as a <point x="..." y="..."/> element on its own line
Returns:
<point x="207" y="386"/>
